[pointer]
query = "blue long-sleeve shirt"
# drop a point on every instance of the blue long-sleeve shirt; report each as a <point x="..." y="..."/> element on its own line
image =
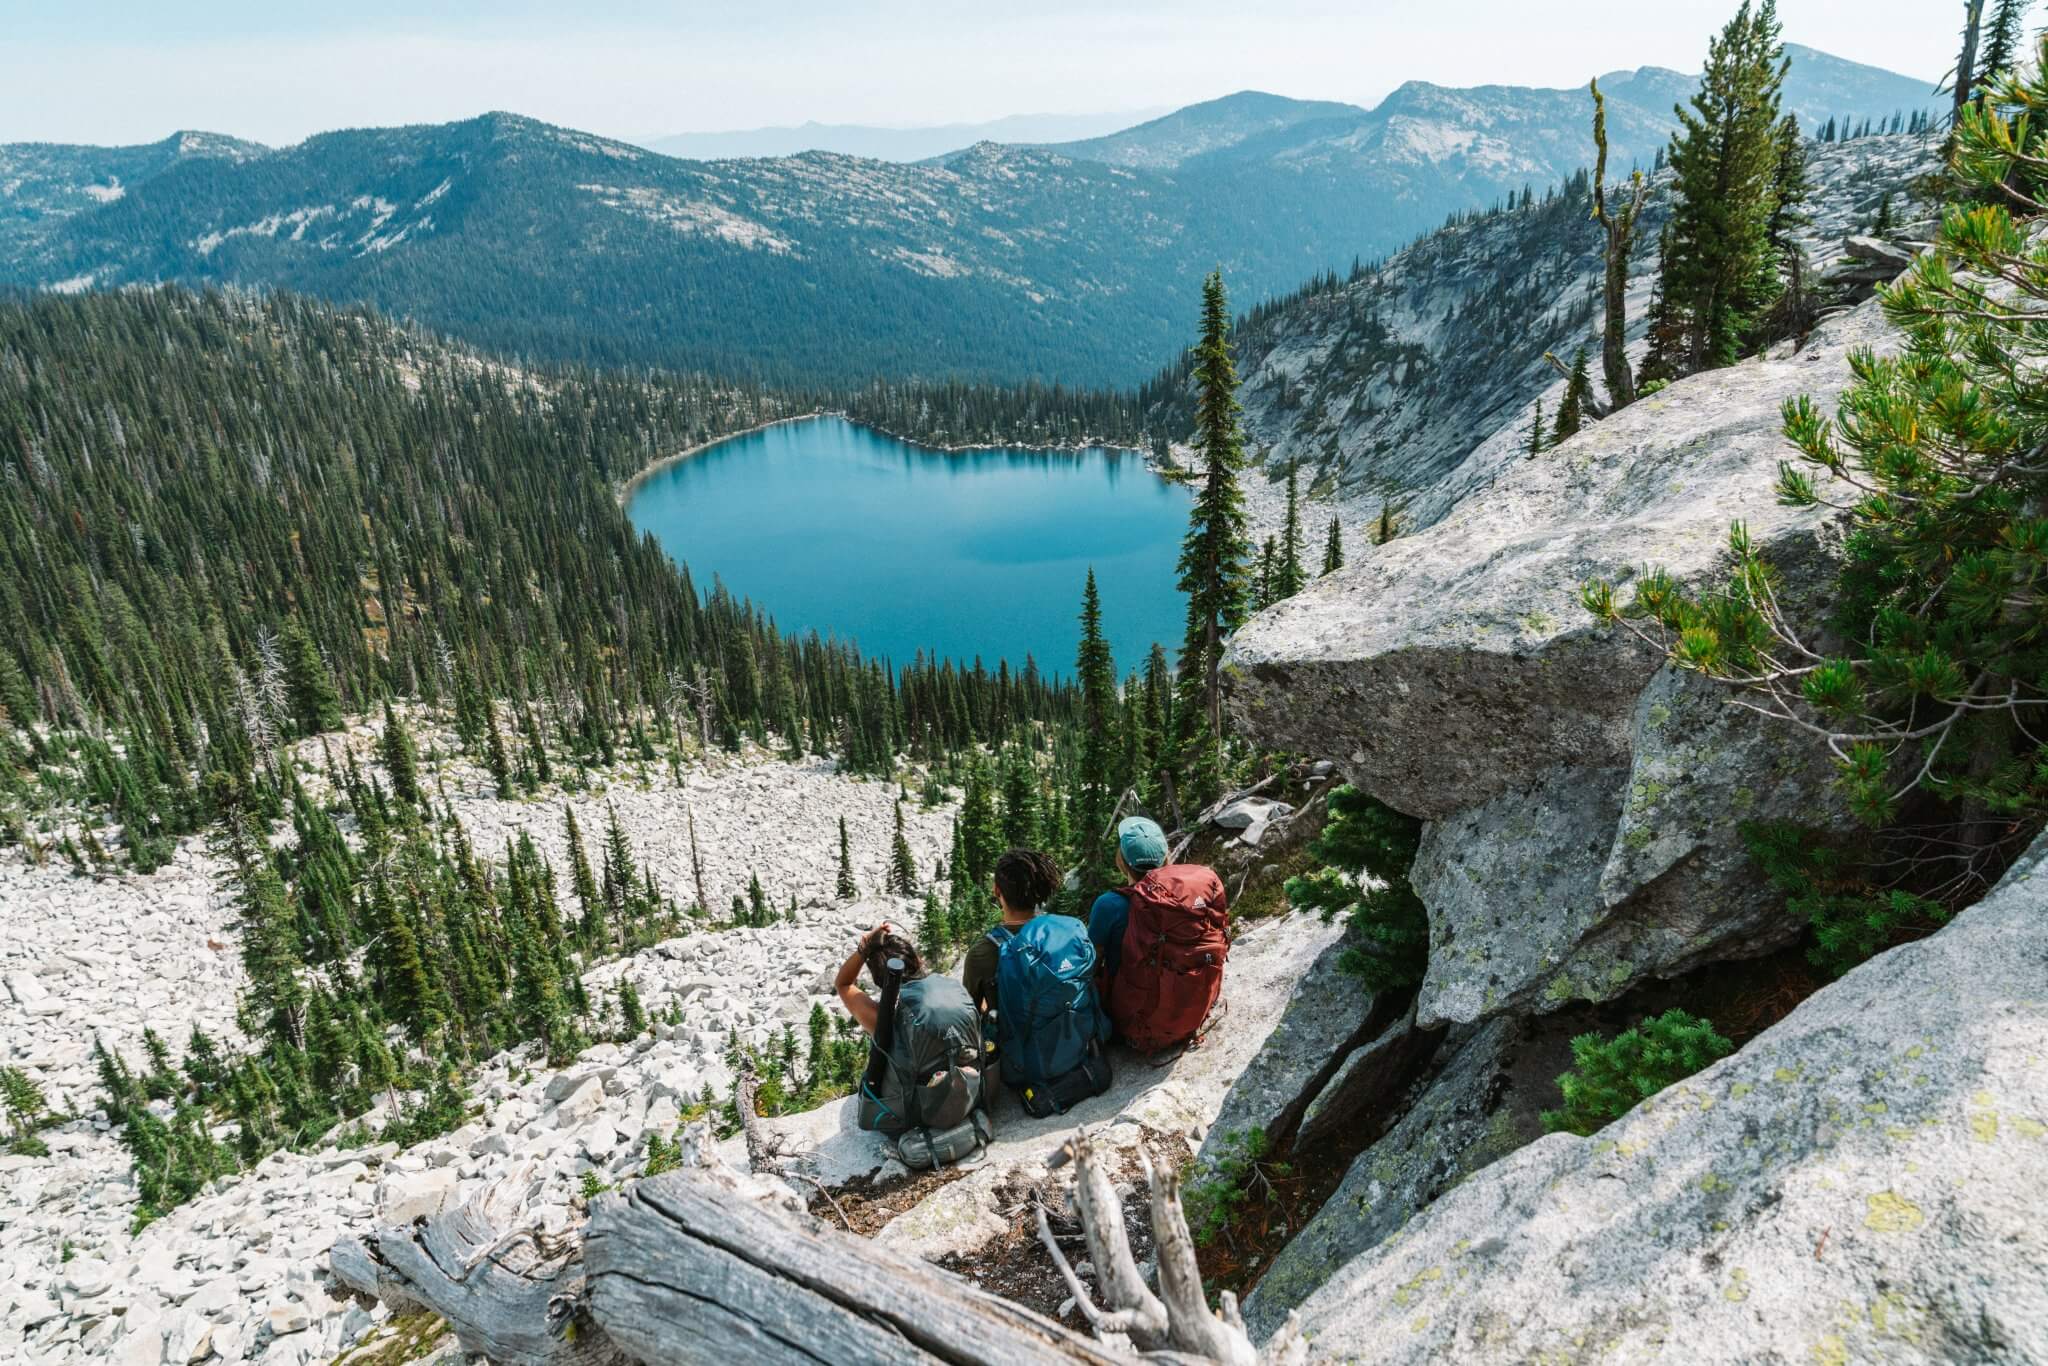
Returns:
<point x="1106" y="920"/>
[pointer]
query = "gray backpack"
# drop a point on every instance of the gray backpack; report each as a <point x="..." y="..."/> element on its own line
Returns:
<point x="930" y="1085"/>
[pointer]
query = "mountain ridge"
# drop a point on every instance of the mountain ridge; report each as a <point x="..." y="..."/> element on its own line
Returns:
<point x="997" y="261"/>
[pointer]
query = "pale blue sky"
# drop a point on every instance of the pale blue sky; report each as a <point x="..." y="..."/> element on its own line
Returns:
<point x="133" y="70"/>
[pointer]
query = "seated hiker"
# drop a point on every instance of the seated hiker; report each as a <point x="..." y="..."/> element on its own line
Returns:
<point x="1036" y="974"/>
<point x="923" y="1083"/>
<point x="1140" y="847"/>
<point x="1163" y="940"/>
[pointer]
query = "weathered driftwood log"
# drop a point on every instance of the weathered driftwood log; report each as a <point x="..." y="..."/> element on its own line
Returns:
<point x="683" y="1269"/>
<point x="1176" y="1324"/>
<point x="508" y="1289"/>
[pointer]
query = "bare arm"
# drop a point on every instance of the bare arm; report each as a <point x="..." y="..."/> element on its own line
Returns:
<point x="858" y="1003"/>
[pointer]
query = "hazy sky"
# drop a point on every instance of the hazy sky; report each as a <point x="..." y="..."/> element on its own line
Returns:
<point x="277" y="70"/>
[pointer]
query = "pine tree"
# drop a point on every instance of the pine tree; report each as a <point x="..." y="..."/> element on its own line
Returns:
<point x="1883" y="226"/>
<point x="500" y="761"/>
<point x="933" y="930"/>
<point x="1213" y="558"/>
<point x="1387" y="525"/>
<point x="401" y="760"/>
<point x="315" y="705"/>
<point x="1534" y="444"/>
<point x="1095" y="671"/>
<point x="847" y="889"/>
<point x="405" y="991"/>
<point x="1610" y="1077"/>
<point x="264" y="916"/>
<point x="2004" y="46"/>
<point x="1664" y="326"/>
<point x="632" y="1017"/>
<point x="1023" y="810"/>
<point x="1262" y="581"/>
<point x="1365" y="850"/>
<point x="981" y="833"/>
<point x="618" y="872"/>
<point x="583" y="882"/>
<point x="1717" y="276"/>
<point x="1289" y="576"/>
<point x="1333" y="547"/>
<point x="1571" y="409"/>
<point x="26" y="1108"/>
<point x="902" y="876"/>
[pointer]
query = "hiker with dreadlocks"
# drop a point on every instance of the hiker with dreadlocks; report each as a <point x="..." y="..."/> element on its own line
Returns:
<point x="923" y="1083"/>
<point x="1035" y="973"/>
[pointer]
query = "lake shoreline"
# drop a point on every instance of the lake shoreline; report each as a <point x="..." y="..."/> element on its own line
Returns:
<point x="626" y="489"/>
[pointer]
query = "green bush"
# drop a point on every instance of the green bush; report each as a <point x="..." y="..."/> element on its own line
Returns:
<point x="1610" y="1077"/>
<point x="1827" y="885"/>
<point x="1243" y="1173"/>
<point x="1366" y="839"/>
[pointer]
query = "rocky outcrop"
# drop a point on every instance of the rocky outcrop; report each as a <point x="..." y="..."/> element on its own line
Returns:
<point x="1584" y="802"/>
<point x="1862" y="1182"/>
<point x="1327" y="1015"/>
<point x="1480" y="1100"/>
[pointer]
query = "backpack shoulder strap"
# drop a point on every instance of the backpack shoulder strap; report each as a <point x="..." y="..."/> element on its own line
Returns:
<point x="1000" y="936"/>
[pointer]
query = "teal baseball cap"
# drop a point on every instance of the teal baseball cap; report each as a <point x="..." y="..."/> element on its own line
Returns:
<point x="1141" y="841"/>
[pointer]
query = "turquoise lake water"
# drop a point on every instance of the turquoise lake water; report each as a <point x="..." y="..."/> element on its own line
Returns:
<point x="833" y="527"/>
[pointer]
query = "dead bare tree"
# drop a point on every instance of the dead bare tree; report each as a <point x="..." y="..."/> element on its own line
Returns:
<point x="1621" y="234"/>
<point x="1175" y="1322"/>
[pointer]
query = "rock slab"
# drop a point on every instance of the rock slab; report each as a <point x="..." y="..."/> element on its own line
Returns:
<point x="1862" y="1182"/>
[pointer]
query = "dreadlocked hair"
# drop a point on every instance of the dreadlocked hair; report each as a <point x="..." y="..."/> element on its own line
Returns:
<point x="1026" y="878"/>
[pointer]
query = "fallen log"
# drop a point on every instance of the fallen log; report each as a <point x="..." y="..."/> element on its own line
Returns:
<point x="683" y="1270"/>
<point x="510" y="1290"/>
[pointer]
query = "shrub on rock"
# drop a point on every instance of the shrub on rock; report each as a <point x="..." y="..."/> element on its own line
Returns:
<point x="1613" y="1076"/>
<point x="1366" y="848"/>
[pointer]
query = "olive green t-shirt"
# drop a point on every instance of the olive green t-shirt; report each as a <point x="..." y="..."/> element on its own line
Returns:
<point x="978" y="972"/>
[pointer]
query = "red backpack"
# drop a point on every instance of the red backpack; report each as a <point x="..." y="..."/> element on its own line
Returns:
<point x="1171" y="971"/>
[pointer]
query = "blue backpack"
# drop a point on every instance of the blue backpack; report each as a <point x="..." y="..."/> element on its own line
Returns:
<point x="1048" y="1022"/>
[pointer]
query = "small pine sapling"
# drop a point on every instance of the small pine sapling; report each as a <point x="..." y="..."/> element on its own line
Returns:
<point x="1610" y="1077"/>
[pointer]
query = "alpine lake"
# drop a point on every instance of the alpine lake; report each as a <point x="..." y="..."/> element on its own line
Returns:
<point x="829" y="526"/>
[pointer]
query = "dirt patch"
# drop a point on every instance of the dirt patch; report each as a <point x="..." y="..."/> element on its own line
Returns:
<point x="1017" y="1266"/>
<point x="866" y="1204"/>
<point x="1014" y="1264"/>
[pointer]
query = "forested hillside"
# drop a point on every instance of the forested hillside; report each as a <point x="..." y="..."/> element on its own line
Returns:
<point x="208" y="492"/>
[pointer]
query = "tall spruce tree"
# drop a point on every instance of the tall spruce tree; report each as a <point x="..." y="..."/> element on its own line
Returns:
<point x="401" y="760"/>
<point x="1288" y="575"/>
<point x="1534" y="444"/>
<point x="265" y="919"/>
<point x="583" y="882"/>
<point x="2004" y="45"/>
<point x="902" y="879"/>
<point x="1095" y="670"/>
<point x="1333" y="547"/>
<point x="1023" y="806"/>
<point x="847" y="889"/>
<point x="309" y="687"/>
<point x="1214" y="559"/>
<point x="1717" y="276"/>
